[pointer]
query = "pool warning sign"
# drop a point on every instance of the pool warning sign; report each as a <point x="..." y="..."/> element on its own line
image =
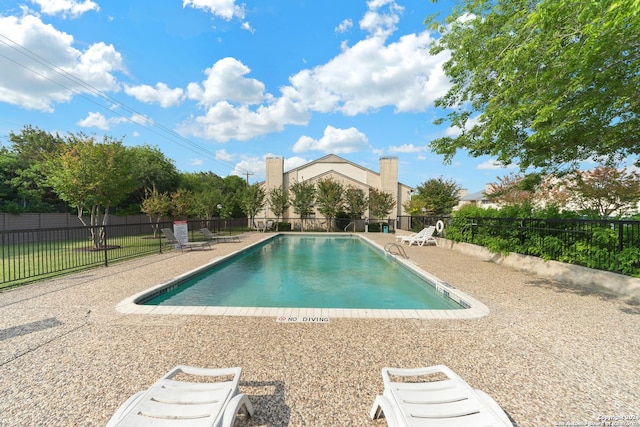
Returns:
<point x="301" y="319"/>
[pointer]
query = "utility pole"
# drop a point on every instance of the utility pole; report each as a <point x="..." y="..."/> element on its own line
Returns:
<point x="247" y="174"/>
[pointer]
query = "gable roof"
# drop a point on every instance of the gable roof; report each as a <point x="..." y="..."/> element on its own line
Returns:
<point x="331" y="158"/>
<point x="338" y="174"/>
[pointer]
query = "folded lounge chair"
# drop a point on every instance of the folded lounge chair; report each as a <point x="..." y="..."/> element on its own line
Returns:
<point x="447" y="402"/>
<point x="212" y="237"/>
<point x="170" y="402"/>
<point x="173" y="240"/>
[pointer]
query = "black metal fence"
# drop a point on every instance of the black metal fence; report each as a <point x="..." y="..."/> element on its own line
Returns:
<point x="29" y="255"/>
<point x="34" y="254"/>
<point x="610" y="245"/>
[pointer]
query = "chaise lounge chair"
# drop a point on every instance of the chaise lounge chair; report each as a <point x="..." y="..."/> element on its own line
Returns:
<point x="212" y="237"/>
<point x="421" y="239"/>
<point x="262" y="227"/>
<point x="405" y="238"/>
<point x="447" y="402"/>
<point x="170" y="402"/>
<point x="173" y="240"/>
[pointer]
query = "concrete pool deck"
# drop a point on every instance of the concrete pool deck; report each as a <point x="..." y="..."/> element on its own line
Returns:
<point x="474" y="308"/>
<point x="548" y="353"/>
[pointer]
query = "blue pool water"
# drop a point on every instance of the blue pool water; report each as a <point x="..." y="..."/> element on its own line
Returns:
<point x="309" y="272"/>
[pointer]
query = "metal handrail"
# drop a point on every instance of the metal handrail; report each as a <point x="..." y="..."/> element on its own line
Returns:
<point x="354" y="226"/>
<point x="400" y="250"/>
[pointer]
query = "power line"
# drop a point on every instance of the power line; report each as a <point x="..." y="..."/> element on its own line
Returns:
<point x="166" y="133"/>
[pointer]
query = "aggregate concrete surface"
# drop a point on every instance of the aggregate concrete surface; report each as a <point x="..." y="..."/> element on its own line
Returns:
<point x="549" y="353"/>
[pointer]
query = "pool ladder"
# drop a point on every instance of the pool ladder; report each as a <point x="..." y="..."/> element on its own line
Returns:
<point x="395" y="249"/>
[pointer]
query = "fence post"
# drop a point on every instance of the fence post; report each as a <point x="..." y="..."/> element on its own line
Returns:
<point x="473" y="229"/>
<point x="620" y="236"/>
<point x="104" y="248"/>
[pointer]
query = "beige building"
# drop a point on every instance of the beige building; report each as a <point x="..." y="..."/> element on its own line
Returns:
<point x="342" y="171"/>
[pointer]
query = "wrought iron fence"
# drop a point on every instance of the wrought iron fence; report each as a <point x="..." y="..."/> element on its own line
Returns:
<point x="610" y="245"/>
<point x="34" y="254"/>
<point x="29" y="255"/>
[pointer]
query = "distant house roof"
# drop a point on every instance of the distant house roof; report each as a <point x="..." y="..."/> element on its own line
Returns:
<point x="474" y="197"/>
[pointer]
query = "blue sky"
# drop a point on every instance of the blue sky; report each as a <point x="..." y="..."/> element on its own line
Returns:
<point x="219" y="85"/>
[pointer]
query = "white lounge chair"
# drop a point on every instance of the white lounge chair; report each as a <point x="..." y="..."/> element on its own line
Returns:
<point x="170" y="402"/>
<point x="212" y="237"/>
<point x="423" y="237"/>
<point x="404" y="238"/>
<point x="262" y="226"/>
<point x="449" y="402"/>
<point x="173" y="240"/>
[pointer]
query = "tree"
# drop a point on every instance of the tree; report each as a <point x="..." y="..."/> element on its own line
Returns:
<point x="510" y="190"/>
<point x="605" y="190"/>
<point x="233" y="190"/>
<point x="205" y="203"/>
<point x="10" y="199"/>
<point x="380" y="203"/>
<point x="531" y="192"/>
<point x="543" y="83"/>
<point x="156" y="205"/>
<point x="355" y="202"/>
<point x="182" y="203"/>
<point x="34" y="144"/>
<point x="329" y="198"/>
<point x="210" y="190"/>
<point x="253" y="201"/>
<point x="151" y="168"/>
<point x="436" y="195"/>
<point x="278" y="202"/>
<point x="26" y="179"/>
<point x="92" y="176"/>
<point x="303" y="196"/>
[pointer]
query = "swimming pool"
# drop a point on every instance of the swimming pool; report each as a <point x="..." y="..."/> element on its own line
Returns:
<point x="309" y="271"/>
<point x="316" y="275"/>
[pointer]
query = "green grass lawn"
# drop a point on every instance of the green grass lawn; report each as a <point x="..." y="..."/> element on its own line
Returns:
<point x="23" y="263"/>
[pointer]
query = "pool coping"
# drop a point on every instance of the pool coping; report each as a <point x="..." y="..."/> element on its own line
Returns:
<point x="473" y="308"/>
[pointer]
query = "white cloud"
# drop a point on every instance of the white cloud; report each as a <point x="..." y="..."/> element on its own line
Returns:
<point x="256" y="166"/>
<point x="408" y="148"/>
<point x="494" y="165"/>
<point x="371" y="75"/>
<point x="98" y="120"/>
<point x="246" y="26"/>
<point x="223" y="155"/>
<point x="161" y="94"/>
<point x="225" y="9"/>
<point x="226" y="82"/>
<point x="454" y="131"/>
<point x="95" y="120"/>
<point x="294" y="162"/>
<point x="31" y="84"/>
<point x="344" y="26"/>
<point x="223" y="122"/>
<point x="66" y="8"/>
<point x="381" y="24"/>
<point x="333" y="141"/>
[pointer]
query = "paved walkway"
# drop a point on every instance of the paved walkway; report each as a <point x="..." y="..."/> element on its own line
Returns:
<point x="547" y="353"/>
